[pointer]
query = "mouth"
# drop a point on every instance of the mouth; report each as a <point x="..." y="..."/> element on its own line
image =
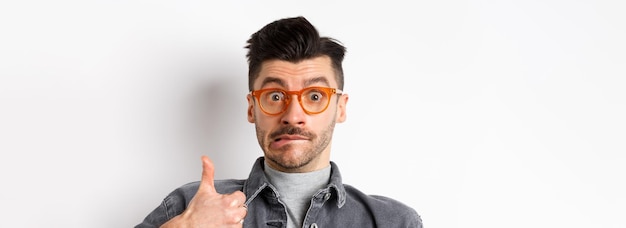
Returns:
<point x="290" y="137"/>
<point x="283" y="140"/>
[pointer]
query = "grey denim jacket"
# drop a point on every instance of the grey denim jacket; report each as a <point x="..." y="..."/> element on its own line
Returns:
<point x="337" y="205"/>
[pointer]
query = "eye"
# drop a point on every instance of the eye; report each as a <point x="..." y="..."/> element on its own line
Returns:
<point x="275" y="96"/>
<point x="315" y="95"/>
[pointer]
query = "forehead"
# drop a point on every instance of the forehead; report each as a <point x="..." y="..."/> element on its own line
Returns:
<point x="315" y="71"/>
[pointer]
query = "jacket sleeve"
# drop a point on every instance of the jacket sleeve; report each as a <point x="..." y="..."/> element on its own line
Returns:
<point x="169" y="208"/>
<point x="173" y="205"/>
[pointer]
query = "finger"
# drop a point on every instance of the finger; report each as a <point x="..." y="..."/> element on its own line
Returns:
<point x="208" y="174"/>
<point x="237" y="199"/>
<point x="245" y="210"/>
<point x="239" y="214"/>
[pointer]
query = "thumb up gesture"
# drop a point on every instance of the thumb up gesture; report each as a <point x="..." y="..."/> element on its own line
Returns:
<point x="208" y="208"/>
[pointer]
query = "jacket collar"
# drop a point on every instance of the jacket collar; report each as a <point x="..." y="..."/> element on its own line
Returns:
<point x="257" y="182"/>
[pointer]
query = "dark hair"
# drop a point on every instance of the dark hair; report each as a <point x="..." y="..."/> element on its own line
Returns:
<point x="292" y="39"/>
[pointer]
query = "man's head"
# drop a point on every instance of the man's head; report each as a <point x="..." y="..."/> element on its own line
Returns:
<point x="293" y="40"/>
<point x="295" y="79"/>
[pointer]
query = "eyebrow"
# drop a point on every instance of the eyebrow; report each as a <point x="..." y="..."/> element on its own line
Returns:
<point x="269" y="80"/>
<point x="312" y="81"/>
<point x="307" y="83"/>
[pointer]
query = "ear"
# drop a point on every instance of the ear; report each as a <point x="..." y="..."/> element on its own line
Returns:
<point x="341" y="108"/>
<point x="250" y="99"/>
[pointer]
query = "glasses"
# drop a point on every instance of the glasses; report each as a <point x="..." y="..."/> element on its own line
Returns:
<point x="313" y="100"/>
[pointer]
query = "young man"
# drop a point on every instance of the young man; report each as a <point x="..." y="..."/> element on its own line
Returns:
<point x="295" y="79"/>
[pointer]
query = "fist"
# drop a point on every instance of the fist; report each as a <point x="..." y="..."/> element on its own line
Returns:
<point x="208" y="208"/>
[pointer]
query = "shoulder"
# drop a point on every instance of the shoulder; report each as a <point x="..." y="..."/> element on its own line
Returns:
<point x="374" y="200"/>
<point x="176" y="202"/>
<point x="383" y="208"/>
<point x="187" y="191"/>
<point x="229" y="186"/>
<point x="178" y="199"/>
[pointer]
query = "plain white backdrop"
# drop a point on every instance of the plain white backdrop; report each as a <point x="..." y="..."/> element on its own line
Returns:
<point x="476" y="113"/>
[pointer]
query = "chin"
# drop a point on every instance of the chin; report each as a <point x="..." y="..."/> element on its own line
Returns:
<point x="290" y="160"/>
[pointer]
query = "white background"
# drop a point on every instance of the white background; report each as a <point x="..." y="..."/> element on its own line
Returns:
<point x="475" y="113"/>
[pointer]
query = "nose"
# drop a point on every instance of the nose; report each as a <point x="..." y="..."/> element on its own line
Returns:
<point x="294" y="114"/>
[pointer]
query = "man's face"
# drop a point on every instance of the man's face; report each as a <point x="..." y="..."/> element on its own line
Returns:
<point x="294" y="141"/>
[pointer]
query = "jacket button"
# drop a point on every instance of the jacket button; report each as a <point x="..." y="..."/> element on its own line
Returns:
<point x="314" y="225"/>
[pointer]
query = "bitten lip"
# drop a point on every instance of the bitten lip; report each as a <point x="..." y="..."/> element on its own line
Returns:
<point x="290" y="137"/>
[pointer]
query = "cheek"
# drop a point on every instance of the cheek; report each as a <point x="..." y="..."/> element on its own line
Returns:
<point x="324" y="120"/>
<point x="263" y="122"/>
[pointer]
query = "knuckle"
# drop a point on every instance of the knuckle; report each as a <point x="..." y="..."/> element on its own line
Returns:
<point x="238" y="194"/>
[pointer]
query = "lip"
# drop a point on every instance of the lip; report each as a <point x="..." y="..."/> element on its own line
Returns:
<point x="290" y="137"/>
<point x="282" y="140"/>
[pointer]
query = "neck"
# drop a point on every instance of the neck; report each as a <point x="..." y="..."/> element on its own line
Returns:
<point x="298" y="182"/>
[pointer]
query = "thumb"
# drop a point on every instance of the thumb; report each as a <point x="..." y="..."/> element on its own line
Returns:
<point x="208" y="174"/>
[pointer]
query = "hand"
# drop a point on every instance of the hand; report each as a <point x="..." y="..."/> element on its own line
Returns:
<point x="208" y="208"/>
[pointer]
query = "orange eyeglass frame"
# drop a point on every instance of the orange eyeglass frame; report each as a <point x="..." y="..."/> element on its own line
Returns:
<point x="289" y="94"/>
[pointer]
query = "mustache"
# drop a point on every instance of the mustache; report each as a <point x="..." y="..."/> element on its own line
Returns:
<point x="291" y="130"/>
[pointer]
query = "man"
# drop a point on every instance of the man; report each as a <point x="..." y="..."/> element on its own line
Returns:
<point x="295" y="79"/>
